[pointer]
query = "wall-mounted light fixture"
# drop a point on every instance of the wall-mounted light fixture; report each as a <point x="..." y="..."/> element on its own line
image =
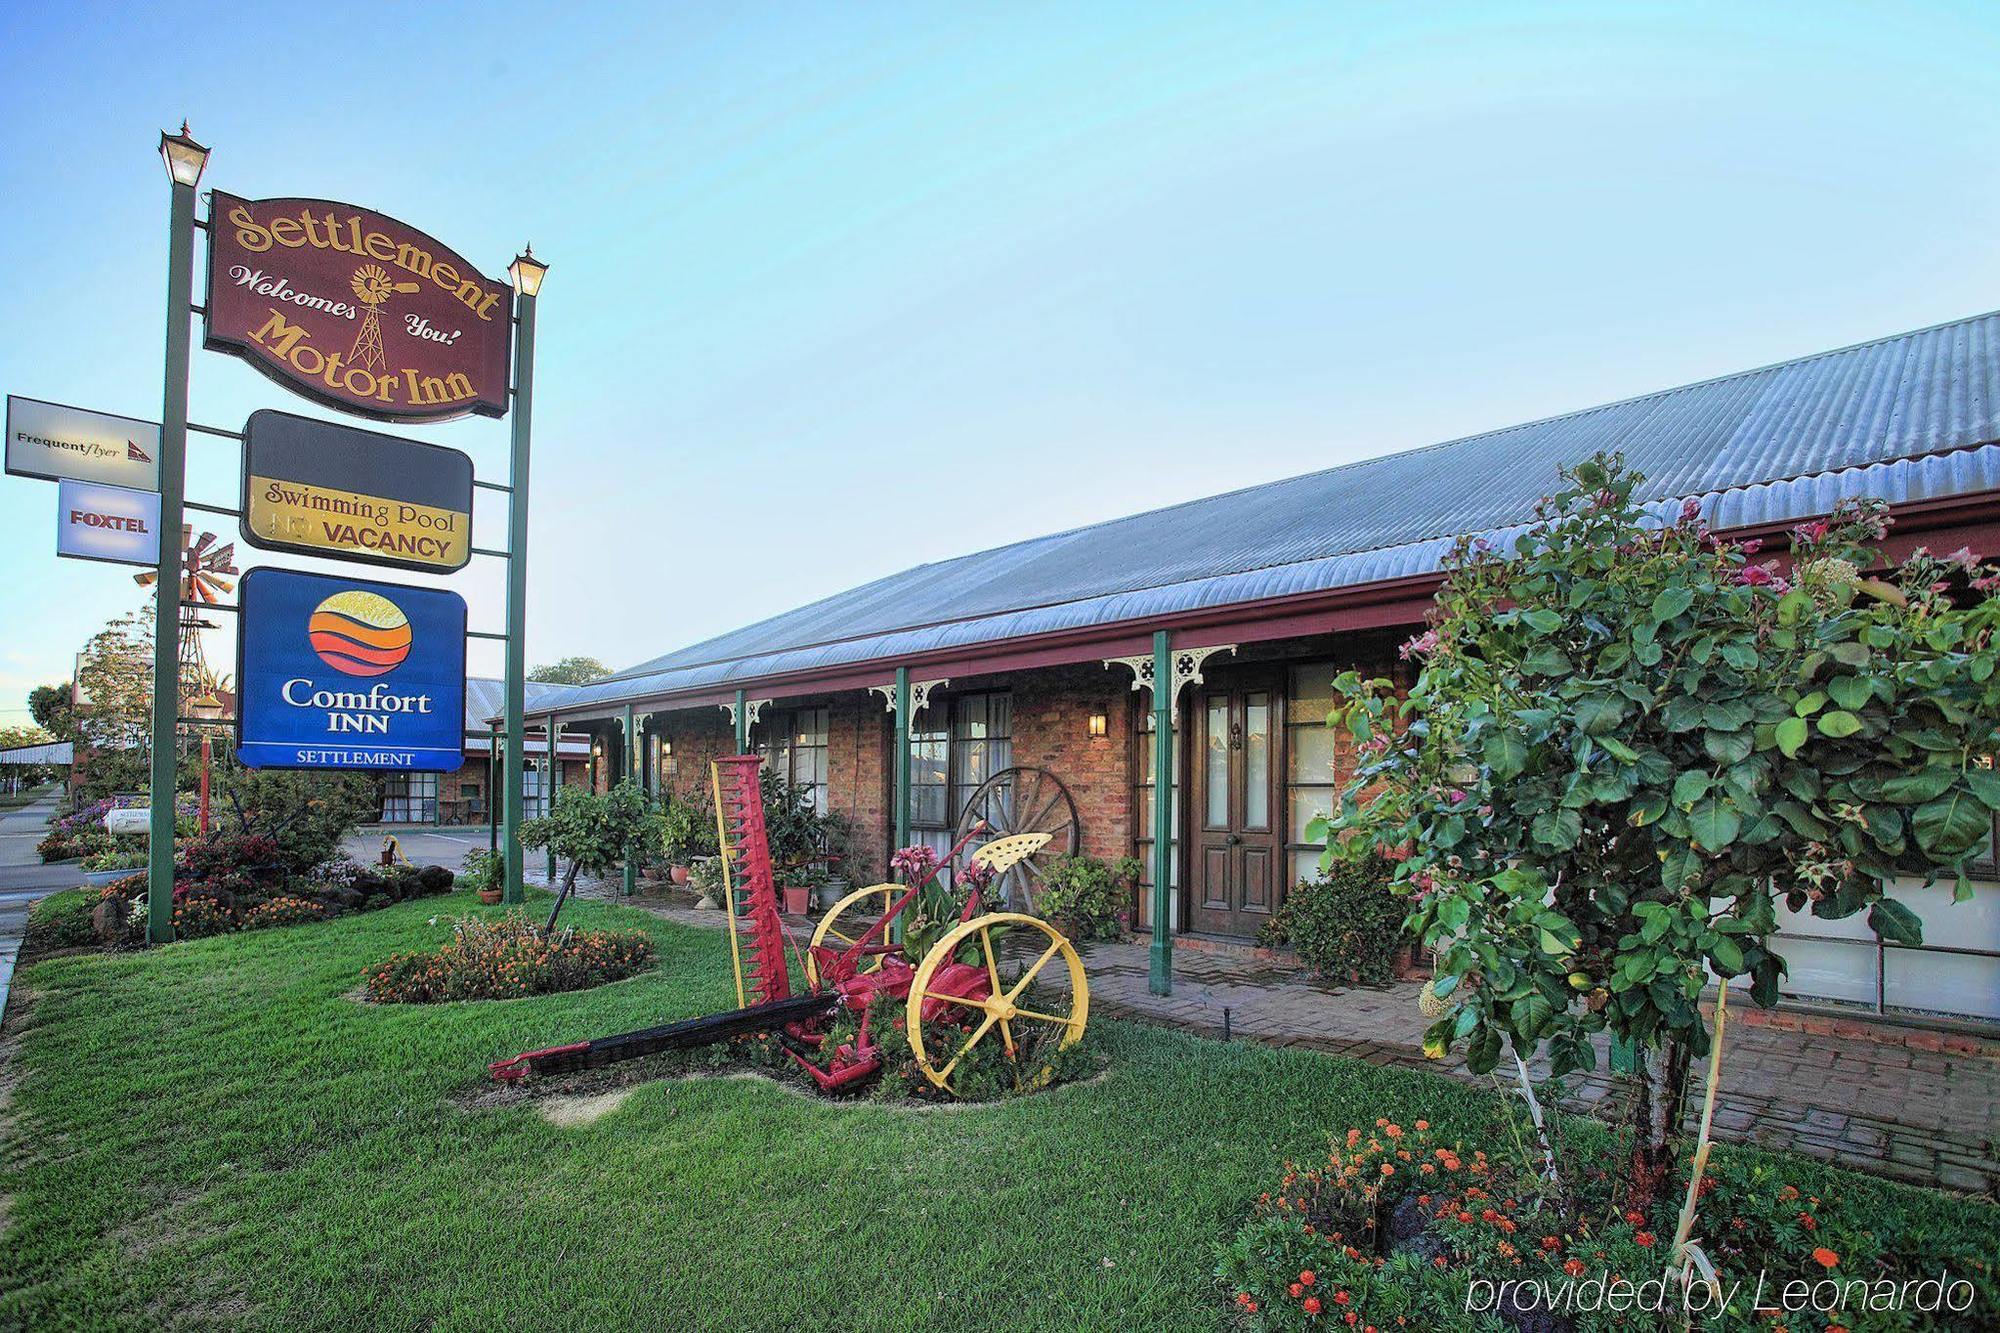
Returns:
<point x="1099" y="724"/>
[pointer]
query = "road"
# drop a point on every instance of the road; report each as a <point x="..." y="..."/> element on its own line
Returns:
<point x="424" y="846"/>
<point x="23" y="879"/>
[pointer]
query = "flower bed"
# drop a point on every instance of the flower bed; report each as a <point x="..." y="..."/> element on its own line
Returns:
<point x="507" y="959"/>
<point x="1396" y="1230"/>
<point x="231" y="882"/>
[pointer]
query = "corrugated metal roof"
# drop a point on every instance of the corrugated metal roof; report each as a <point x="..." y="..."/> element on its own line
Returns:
<point x="1766" y="445"/>
<point x="55" y="754"/>
<point x="484" y="699"/>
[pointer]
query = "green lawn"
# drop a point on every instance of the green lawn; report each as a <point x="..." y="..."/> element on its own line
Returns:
<point x="218" y="1133"/>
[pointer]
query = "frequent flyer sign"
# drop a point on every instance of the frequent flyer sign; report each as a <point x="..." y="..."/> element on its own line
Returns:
<point x="356" y="310"/>
<point x="331" y="490"/>
<point x="54" y="441"/>
<point x="348" y="673"/>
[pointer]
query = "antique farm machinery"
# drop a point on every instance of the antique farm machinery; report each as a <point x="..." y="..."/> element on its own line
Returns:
<point x="953" y="998"/>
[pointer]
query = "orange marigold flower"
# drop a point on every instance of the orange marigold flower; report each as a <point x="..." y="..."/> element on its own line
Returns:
<point x="1423" y="1125"/>
<point x="1826" y="1258"/>
<point x="1645" y="1238"/>
<point x="1310" y="1305"/>
<point x="1574" y="1267"/>
<point x="1307" y="1278"/>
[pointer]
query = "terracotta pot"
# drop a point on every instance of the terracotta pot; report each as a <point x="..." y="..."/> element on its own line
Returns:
<point x="678" y="874"/>
<point x="490" y="896"/>
<point x="797" y="901"/>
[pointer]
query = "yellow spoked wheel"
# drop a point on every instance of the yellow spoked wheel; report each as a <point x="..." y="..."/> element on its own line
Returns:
<point x="861" y="909"/>
<point x="1001" y="1016"/>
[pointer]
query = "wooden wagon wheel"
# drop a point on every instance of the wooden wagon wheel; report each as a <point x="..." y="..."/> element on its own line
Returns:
<point x="999" y="1015"/>
<point x="1024" y="800"/>
<point x="860" y="914"/>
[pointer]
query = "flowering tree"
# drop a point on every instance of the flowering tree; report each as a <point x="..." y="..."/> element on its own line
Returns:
<point x="1628" y="741"/>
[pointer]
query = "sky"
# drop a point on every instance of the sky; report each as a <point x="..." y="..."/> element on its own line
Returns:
<point x="839" y="289"/>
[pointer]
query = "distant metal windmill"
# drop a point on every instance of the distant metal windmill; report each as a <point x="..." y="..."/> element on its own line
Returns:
<point x="373" y="287"/>
<point x="204" y="566"/>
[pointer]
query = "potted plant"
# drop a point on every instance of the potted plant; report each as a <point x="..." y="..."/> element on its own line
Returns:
<point x="487" y="872"/>
<point x="677" y="835"/>
<point x="705" y="878"/>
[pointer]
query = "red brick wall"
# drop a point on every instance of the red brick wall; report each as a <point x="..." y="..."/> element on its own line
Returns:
<point x="858" y="776"/>
<point x="698" y="735"/>
<point x="1052" y="712"/>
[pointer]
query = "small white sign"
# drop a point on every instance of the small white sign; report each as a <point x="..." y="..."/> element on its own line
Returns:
<point x="107" y="523"/>
<point x="52" y="441"/>
<point x="128" y="821"/>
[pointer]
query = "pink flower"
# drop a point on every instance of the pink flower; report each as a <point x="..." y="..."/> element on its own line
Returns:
<point x="1455" y="796"/>
<point x="1690" y="510"/>
<point x="1751" y="547"/>
<point x="1809" y="534"/>
<point x="1420" y="646"/>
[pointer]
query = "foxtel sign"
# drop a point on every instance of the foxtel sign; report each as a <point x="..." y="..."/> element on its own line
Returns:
<point x="348" y="673"/>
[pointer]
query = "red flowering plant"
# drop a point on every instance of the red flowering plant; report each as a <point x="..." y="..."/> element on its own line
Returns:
<point x="1330" y="1232"/>
<point x="1630" y="737"/>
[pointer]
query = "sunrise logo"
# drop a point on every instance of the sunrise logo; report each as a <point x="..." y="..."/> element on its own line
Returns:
<point x="359" y="633"/>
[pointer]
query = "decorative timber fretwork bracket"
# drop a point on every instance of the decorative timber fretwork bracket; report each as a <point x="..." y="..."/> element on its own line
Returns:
<point x="1187" y="664"/>
<point x="920" y="693"/>
<point x="753" y="707"/>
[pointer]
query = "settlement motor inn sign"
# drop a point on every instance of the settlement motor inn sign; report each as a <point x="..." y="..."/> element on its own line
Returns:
<point x="356" y="310"/>
<point x="346" y="673"/>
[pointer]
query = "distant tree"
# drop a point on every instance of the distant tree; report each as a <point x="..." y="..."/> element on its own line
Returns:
<point x="116" y="678"/>
<point x="571" y="671"/>
<point x="50" y="705"/>
<point x="14" y="737"/>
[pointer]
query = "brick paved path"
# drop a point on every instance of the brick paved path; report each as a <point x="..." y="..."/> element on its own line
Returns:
<point x="1860" y="1096"/>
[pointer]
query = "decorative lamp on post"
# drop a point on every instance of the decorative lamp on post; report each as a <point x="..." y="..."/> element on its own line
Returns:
<point x="527" y="273"/>
<point x="185" y="158"/>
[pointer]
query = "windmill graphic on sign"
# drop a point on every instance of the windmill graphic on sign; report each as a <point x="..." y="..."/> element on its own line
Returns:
<point x="373" y="287"/>
<point x="204" y="582"/>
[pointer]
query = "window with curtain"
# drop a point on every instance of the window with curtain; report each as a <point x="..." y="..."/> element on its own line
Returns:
<point x="1142" y="807"/>
<point x="534" y="788"/>
<point x="793" y="742"/>
<point x="409" y="798"/>
<point x="1312" y="786"/>
<point x="953" y="749"/>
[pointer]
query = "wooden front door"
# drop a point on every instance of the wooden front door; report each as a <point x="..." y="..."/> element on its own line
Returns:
<point x="1235" y="816"/>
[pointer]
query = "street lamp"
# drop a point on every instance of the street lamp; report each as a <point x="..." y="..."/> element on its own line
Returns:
<point x="184" y="157"/>
<point x="527" y="271"/>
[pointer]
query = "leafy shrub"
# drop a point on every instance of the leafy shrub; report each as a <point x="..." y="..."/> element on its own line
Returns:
<point x="1094" y="898"/>
<point x="507" y="958"/>
<point x="1346" y="922"/>
<point x="283" y="911"/>
<point x="305" y="814"/>
<point x="62" y="920"/>
<point x="123" y="853"/>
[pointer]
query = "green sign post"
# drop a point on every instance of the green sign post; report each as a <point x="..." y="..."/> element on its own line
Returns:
<point x="185" y="160"/>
